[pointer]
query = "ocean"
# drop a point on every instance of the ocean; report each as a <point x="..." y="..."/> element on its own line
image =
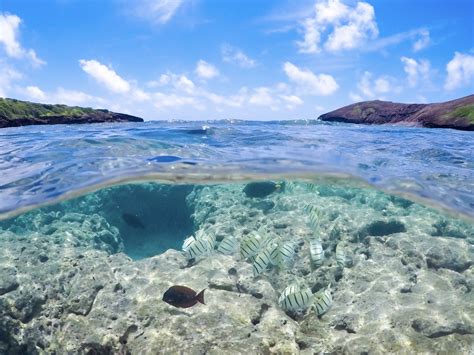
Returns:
<point x="307" y="237"/>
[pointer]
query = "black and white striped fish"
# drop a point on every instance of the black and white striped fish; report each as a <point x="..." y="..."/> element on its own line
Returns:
<point x="228" y="245"/>
<point x="286" y="253"/>
<point x="295" y="298"/>
<point x="314" y="218"/>
<point x="322" y="301"/>
<point x="207" y="236"/>
<point x="250" y="245"/>
<point x="316" y="252"/>
<point x="197" y="248"/>
<point x="262" y="260"/>
<point x="340" y="255"/>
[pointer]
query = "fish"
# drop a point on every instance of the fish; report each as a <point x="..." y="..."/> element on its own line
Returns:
<point x="322" y="301"/>
<point x="314" y="218"/>
<point x="286" y="253"/>
<point x="340" y="255"/>
<point x="262" y="260"/>
<point x="209" y="238"/>
<point x="250" y="245"/>
<point x="228" y="246"/>
<point x="295" y="298"/>
<point x="187" y="243"/>
<point x="133" y="220"/>
<point x="316" y="252"/>
<point x="183" y="296"/>
<point x="197" y="248"/>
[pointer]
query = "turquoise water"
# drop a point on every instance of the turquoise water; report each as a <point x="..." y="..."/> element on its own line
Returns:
<point x="307" y="237"/>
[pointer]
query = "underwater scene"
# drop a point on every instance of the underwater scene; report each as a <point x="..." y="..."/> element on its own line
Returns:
<point x="237" y="238"/>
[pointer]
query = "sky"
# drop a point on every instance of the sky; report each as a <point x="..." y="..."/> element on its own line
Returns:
<point x="235" y="59"/>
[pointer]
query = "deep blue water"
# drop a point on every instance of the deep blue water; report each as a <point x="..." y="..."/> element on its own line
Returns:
<point x="43" y="164"/>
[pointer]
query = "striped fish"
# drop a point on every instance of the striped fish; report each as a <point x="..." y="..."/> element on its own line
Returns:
<point x="274" y="250"/>
<point x="316" y="252"/>
<point x="228" y="245"/>
<point x="262" y="260"/>
<point x="340" y="255"/>
<point x="310" y="187"/>
<point x="250" y="245"/>
<point x="198" y="248"/>
<point x="315" y="218"/>
<point x="290" y="186"/>
<point x="286" y="253"/>
<point x="322" y="301"/>
<point x="296" y="299"/>
<point x="209" y="237"/>
<point x="295" y="287"/>
<point x="187" y="242"/>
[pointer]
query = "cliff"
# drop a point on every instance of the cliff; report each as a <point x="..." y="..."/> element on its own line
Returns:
<point x="457" y="114"/>
<point x="14" y="113"/>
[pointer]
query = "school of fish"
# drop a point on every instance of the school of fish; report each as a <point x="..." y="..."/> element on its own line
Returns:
<point x="265" y="252"/>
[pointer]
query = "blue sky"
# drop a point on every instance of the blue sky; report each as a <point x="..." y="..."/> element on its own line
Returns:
<point x="230" y="59"/>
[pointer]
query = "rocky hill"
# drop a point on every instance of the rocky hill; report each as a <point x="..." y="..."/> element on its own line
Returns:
<point x="457" y="114"/>
<point x="14" y="113"/>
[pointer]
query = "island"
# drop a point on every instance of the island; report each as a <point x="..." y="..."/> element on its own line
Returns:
<point x="457" y="114"/>
<point x="14" y="113"/>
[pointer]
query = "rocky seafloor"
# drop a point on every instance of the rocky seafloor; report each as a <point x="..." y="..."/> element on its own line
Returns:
<point x="78" y="278"/>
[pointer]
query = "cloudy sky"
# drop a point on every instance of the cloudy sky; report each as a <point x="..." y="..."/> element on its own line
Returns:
<point x="240" y="59"/>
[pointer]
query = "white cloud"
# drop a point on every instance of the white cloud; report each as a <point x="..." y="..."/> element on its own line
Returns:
<point x="35" y="93"/>
<point x="8" y="75"/>
<point x="460" y="71"/>
<point x="157" y="11"/>
<point x="311" y="35"/>
<point x="310" y="83"/>
<point x="355" y="97"/>
<point x="416" y="70"/>
<point x="423" y="41"/>
<point x="105" y="75"/>
<point x="205" y="70"/>
<point x="234" y="55"/>
<point x="9" y="28"/>
<point x="345" y="27"/>
<point x="73" y="97"/>
<point x="374" y="88"/>
<point x="162" y="100"/>
<point x="262" y="97"/>
<point x="182" y="83"/>
<point x="291" y="101"/>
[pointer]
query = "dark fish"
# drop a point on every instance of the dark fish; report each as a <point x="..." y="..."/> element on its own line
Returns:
<point x="260" y="189"/>
<point x="183" y="297"/>
<point x="132" y="220"/>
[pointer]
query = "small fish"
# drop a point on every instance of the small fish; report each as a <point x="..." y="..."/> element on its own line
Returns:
<point x="262" y="260"/>
<point x="228" y="246"/>
<point x="316" y="252"/>
<point x="340" y="255"/>
<point x="133" y="221"/>
<point x="274" y="250"/>
<point x="290" y="186"/>
<point x="310" y="187"/>
<point x="286" y="253"/>
<point x="314" y="218"/>
<point x="197" y="248"/>
<point x="187" y="243"/>
<point x="250" y="245"/>
<point x="183" y="297"/>
<point x="209" y="238"/>
<point x="322" y="301"/>
<point x="294" y="298"/>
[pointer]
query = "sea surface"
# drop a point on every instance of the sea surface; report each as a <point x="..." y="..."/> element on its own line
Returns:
<point x="369" y="229"/>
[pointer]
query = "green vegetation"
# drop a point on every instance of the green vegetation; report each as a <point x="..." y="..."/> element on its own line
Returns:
<point x="463" y="111"/>
<point x="14" y="109"/>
